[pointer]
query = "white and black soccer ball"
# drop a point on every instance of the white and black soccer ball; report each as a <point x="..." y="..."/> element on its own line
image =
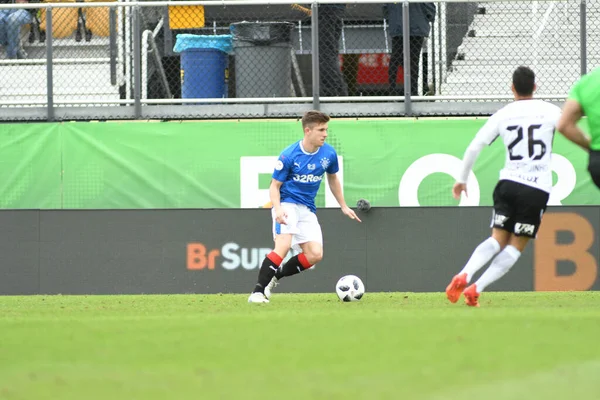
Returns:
<point x="350" y="288"/>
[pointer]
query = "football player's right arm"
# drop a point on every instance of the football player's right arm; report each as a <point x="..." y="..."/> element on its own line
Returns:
<point x="280" y="174"/>
<point x="567" y="124"/>
<point x="275" y="195"/>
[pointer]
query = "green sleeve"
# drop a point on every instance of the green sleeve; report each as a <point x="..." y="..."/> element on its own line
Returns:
<point x="575" y="92"/>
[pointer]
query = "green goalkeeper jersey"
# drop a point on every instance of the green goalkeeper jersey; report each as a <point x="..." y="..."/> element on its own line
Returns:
<point x="587" y="93"/>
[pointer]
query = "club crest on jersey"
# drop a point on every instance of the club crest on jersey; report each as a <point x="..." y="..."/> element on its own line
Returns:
<point x="325" y="162"/>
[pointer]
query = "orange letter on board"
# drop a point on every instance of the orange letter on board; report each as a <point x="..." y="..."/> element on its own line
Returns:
<point x="196" y="256"/>
<point x="548" y="252"/>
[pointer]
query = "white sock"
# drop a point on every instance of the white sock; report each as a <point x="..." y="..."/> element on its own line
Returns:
<point x="500" y="266"/>
<point x="482" y="254"/>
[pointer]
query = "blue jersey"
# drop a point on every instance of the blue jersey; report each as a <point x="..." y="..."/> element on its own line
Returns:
<point x="302" y="172"/>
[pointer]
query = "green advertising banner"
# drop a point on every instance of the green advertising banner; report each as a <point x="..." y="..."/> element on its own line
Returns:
<point x="31" y="166"/>
<point x="227" y="164"/>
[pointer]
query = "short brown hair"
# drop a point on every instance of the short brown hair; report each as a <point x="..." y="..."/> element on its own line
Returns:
<point x="524" y="81"/>
<point x="313" y="117"/>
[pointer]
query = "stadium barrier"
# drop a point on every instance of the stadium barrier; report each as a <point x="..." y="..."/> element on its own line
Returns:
<point x="118" y="60"/>
<point x="228" y="164"/>
<point x="219" y="251"/>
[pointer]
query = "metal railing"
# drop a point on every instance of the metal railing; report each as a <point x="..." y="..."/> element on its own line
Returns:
<point x="128" y="69"/>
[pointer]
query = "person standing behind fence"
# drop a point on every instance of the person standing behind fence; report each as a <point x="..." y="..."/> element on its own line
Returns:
<point x="331" y="80"/>
<point x="420" y="17"/>
<point x="584" y="99"/>
<point x="11" y="21"/>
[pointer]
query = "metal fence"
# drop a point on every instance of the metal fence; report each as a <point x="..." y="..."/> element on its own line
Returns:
<point x="277" y="58"/>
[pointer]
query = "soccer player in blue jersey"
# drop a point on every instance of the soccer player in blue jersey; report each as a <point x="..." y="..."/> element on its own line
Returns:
<point x="298" y="173"/>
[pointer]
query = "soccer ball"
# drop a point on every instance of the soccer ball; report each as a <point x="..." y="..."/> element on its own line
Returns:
<point x="350" y="288"/>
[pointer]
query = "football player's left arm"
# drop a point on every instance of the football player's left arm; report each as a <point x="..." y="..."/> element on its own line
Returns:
<point x="468" y="160"/>
<point x="336" y="188"/>
<point x="486" y="135"/>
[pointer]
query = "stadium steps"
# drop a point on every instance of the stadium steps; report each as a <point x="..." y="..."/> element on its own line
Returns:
<point x="82" y="73"/>
<point x="510" y="34"/>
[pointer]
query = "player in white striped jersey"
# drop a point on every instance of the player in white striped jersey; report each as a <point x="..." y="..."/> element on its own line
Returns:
<point x="527" y="128"/>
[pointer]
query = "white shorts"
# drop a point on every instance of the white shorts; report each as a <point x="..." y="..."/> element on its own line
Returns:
<point x="301" y="223"/>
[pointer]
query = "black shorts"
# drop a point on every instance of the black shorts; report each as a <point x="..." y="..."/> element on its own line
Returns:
<point x="518" y="208"/>
<point x="594" y="166"/>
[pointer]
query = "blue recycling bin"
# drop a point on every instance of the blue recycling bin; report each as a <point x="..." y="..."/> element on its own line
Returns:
<point x="204" y="65"/>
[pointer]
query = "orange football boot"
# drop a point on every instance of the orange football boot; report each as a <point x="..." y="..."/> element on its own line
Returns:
<point x="456" y="287"/>
<point x="471" y="296"/>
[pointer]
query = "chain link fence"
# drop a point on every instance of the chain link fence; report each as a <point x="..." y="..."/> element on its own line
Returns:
<point x="247" y="59"/>
<point x="79" y="53"/>
<point x="544" y="36"/>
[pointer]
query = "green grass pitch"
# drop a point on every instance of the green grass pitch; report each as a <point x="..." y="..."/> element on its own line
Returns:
<point x="301" y="346"/>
